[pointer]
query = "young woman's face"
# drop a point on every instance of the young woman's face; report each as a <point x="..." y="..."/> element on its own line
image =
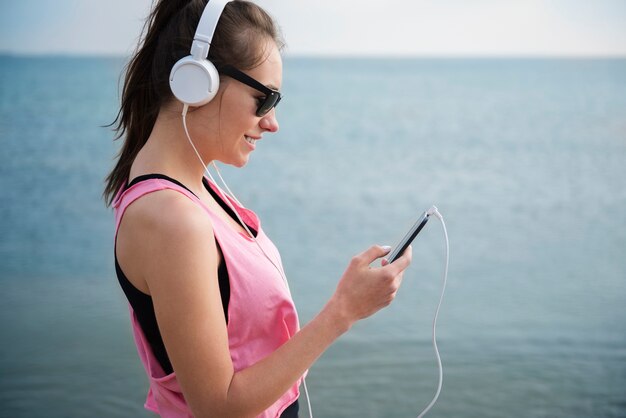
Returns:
<point x="232" y="129"/>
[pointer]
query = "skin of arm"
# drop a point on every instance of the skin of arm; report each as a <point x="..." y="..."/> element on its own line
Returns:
<point x="174" y="252"/>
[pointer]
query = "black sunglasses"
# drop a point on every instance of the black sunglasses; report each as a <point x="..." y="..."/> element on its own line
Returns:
<point x="272" y="97"/>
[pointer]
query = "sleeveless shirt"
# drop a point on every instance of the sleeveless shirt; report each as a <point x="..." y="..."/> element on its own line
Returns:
<point x="261" y="313"/>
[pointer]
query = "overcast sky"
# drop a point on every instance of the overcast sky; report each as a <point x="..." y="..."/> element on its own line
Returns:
<point x="344" y="27"/>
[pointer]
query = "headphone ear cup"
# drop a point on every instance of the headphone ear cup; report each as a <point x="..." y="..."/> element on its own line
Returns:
<point x="194" y="82"/>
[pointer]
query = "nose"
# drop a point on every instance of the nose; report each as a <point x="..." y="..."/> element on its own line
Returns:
<point x="269" y="122"/>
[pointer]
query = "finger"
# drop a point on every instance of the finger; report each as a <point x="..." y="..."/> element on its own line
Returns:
<point x="372" y="253"/>
<point x="402" y="262"/>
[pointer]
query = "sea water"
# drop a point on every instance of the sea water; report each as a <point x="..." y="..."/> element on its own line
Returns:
<point x="525" y="159"/>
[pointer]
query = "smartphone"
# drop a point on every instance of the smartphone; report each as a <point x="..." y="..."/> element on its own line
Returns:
<point x="408" y="238"/>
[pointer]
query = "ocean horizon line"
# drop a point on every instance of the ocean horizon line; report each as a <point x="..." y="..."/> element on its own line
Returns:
<point x="399" y="57"/>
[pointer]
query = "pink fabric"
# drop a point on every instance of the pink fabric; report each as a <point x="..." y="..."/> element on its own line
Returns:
<point x="261" y="313"/>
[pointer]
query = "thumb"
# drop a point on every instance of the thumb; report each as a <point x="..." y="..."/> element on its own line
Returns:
<point x="373" y="253"/>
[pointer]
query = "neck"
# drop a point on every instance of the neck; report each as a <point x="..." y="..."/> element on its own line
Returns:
<point x="169" y="152"/>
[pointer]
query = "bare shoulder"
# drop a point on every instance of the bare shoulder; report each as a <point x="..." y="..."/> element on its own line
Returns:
<point x="166" y="213"/>
<point x="160" y="232"/>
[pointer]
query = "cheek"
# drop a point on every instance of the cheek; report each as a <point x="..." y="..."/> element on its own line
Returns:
<point x="241" y="121"/>
<point x="241" y="105"/>
<point x="237" y="113"/>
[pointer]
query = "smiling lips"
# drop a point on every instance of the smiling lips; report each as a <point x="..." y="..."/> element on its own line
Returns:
<point x="251" y="141"/>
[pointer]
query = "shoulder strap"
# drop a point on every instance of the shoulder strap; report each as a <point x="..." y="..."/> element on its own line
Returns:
<point x="143" y="185"/>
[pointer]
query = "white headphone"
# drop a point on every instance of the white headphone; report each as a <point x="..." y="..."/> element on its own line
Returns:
<point x="194" y="80"/>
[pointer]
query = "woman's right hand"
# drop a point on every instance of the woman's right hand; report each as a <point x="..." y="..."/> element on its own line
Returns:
<point x="363" y="290"/>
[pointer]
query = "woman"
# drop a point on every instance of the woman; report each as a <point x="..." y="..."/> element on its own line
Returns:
<point x="213" y="321"/>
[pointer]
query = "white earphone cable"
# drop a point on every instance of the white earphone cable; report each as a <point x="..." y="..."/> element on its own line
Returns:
<point x="443" y="289"/>
<point x="232" y="196"/>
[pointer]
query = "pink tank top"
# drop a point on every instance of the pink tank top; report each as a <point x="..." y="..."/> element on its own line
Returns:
<point x="261" y="313"/>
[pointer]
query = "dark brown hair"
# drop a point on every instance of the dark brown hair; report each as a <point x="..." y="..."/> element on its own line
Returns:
<point x="239" y="40"/>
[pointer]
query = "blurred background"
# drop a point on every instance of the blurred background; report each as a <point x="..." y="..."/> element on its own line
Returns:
<point x="509" y="116"/>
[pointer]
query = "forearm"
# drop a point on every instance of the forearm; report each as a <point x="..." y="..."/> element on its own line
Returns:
<point x="257" y="387"/>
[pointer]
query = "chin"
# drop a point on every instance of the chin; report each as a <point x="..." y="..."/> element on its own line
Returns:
<point x="240" y="163"/>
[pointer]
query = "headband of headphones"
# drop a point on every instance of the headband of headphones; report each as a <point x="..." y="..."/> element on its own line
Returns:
<point x="206" y="28"/>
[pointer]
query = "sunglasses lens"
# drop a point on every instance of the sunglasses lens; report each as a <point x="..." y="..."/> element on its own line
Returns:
<point x="268" y="104"/>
